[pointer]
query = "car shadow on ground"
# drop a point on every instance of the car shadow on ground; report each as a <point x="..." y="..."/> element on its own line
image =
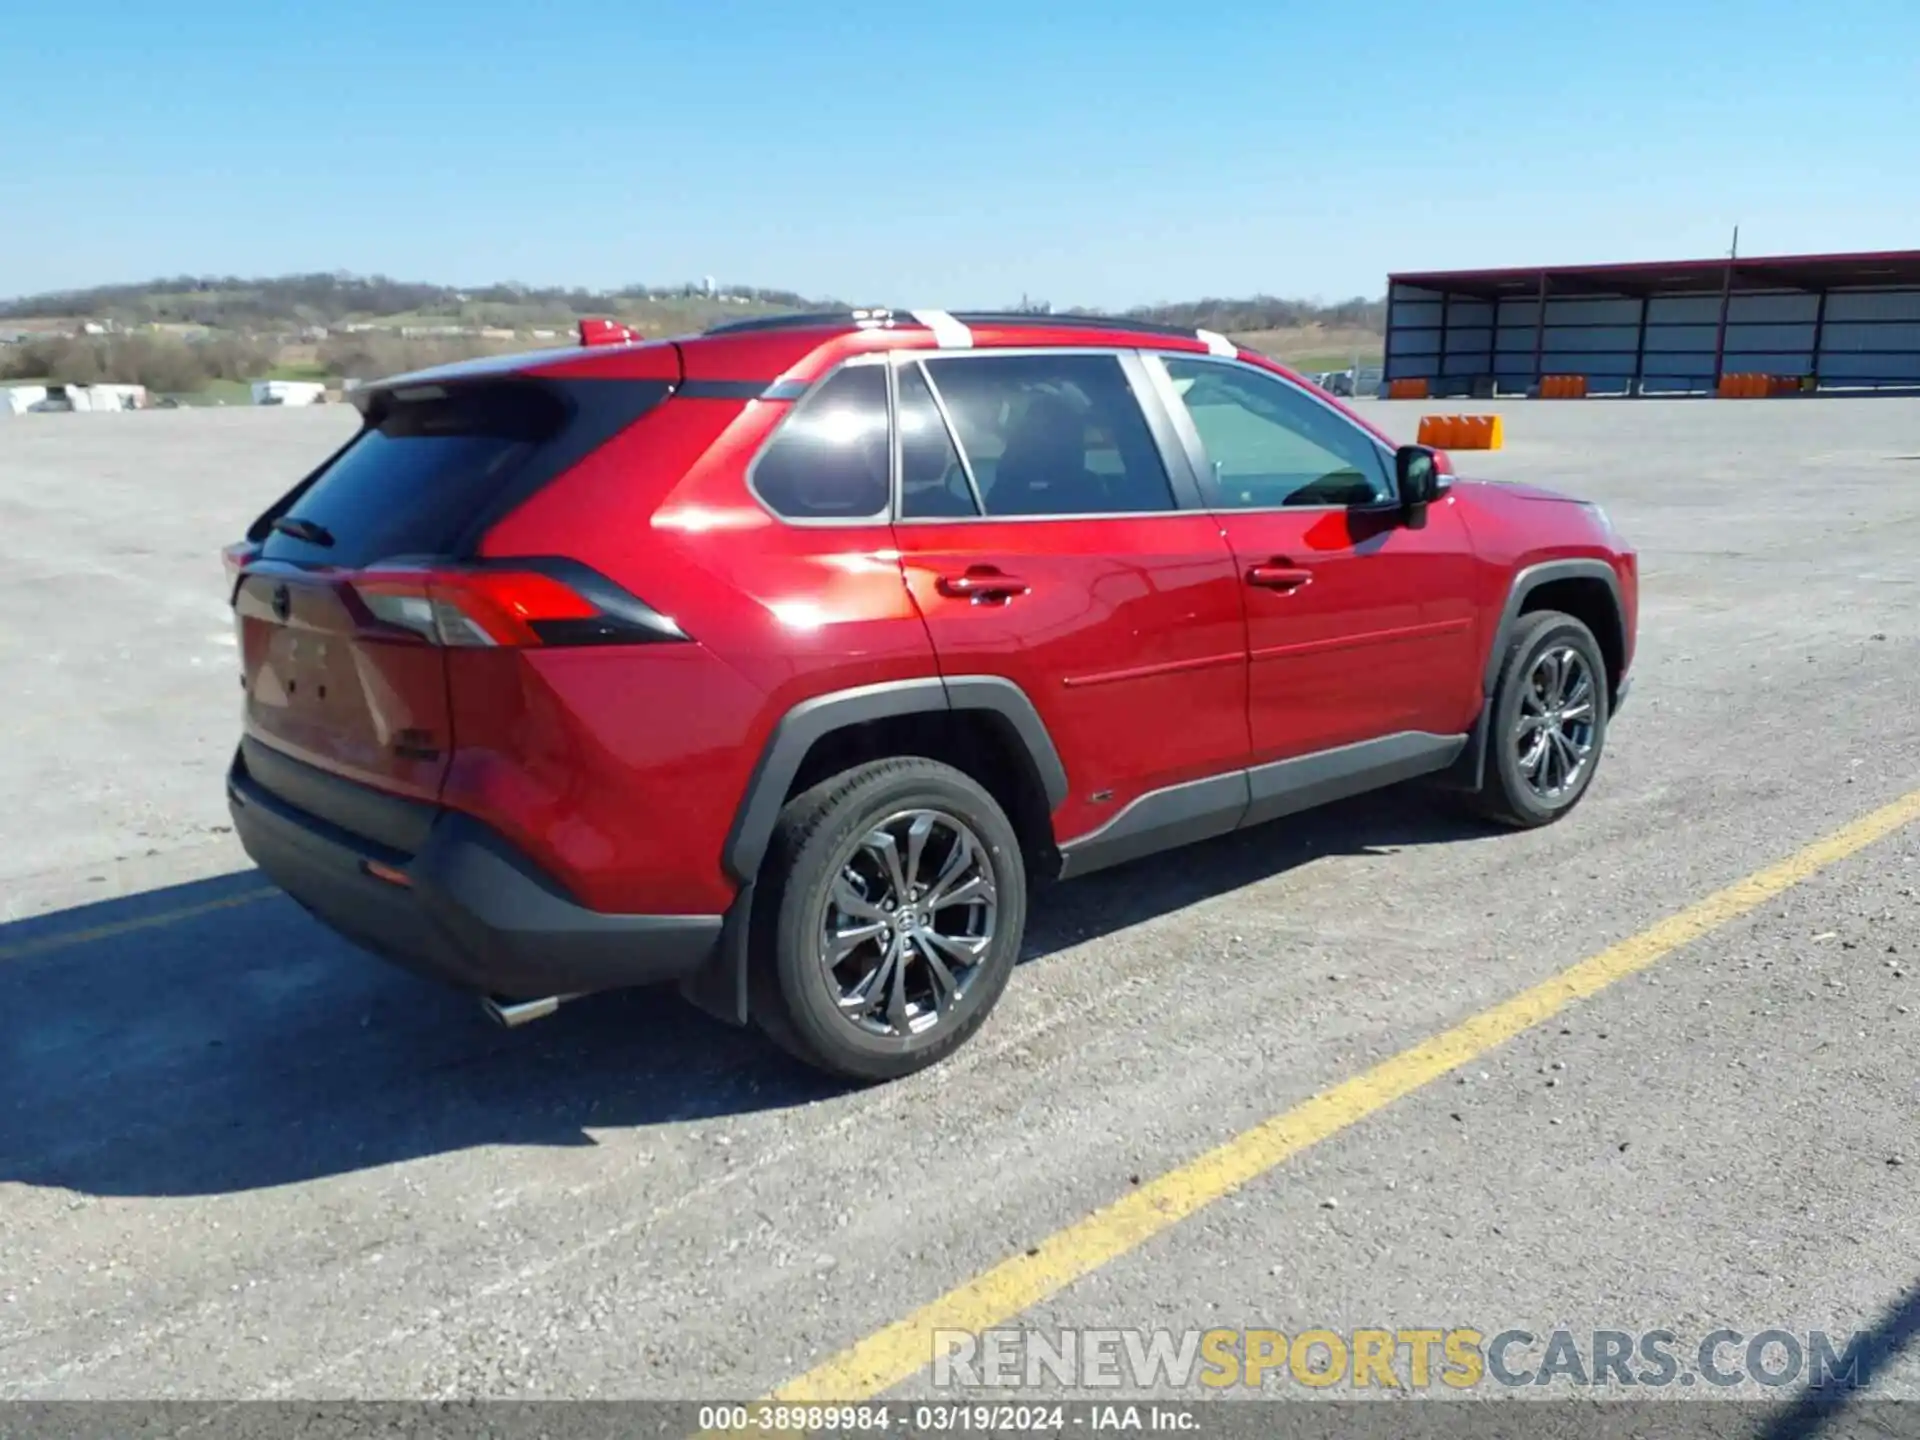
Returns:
<point x="211" y="1038"/>
<point x="1848" y="1395"/>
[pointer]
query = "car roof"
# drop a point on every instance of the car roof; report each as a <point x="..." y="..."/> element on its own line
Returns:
<point x="786" y="340"/>
<point x="1038" y="322"/>
<point x="785" y="350"/>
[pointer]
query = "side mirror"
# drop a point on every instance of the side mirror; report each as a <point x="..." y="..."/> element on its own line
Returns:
<point x="1417" y="471"/>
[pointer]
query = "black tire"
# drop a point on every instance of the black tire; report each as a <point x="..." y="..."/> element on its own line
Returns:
<point x="794" y="1000"/>
<point x="1506" y="795"/>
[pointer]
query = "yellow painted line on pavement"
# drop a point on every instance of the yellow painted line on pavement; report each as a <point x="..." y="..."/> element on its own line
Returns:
<point x="69" y="938"/>
<point x="902" y="1349"/>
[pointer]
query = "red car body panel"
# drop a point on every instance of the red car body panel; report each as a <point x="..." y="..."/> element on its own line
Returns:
<point x="1378" y="638"/>
<point x="779" y="613"/>
<point x="1514" y="527"/>
<point x="1128" y="635"/>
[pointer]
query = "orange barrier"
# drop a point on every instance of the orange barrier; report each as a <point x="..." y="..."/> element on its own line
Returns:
<point x="1406" y="389"/>
<point x="1461" y="432"/>
<point x="1752" y="385"/>
<point x="1563" y="387"/>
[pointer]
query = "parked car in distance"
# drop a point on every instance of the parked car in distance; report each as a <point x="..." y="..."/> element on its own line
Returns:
<point x="779" y="663"/>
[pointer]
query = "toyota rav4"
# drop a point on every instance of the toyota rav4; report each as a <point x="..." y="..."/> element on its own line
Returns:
<point x="781" y="661"/>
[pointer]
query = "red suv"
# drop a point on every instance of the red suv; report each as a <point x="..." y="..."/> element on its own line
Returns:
<point x="780" y="661"/>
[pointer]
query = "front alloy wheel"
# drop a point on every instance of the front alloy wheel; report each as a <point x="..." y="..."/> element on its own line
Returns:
<point x="1548" y="723"/>
<point x="1554" y="734"/>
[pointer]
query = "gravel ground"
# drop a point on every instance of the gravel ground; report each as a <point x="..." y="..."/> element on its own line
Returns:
<point x="238" y="1159"/>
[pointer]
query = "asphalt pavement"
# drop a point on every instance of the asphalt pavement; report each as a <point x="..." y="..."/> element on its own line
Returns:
<point x="240" y="1160"/>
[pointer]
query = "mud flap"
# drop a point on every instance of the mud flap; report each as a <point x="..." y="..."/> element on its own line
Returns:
<point x="719" y="987"/>
<point x="1468" y="771"/>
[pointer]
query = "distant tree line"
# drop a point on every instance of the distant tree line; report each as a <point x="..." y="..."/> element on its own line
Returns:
<point x="329" y="299"/>
<point x="233" y="303"/>
<point x="1267" y="312"/>
<point x="159" y="362"/>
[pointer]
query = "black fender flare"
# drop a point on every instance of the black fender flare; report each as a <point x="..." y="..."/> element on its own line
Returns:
<point x="811" y="720"/>
<point x="721" y="986"/>
<point x="1531" y="578"/>
<point x="1469" y="771"/>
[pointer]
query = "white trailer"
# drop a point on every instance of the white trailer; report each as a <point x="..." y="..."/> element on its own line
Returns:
<point x="107" y="397"/>
<point x="288" y="392"/>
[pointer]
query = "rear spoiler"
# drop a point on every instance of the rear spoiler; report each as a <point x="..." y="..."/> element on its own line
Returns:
<point x="554" y="363"/>
<point x="600" y="331"/>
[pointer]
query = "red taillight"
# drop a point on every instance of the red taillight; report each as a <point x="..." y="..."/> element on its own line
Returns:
<point x="235" y="558"/>
<point x="514" y="608"/>
<point x="486" y="608"/>
<point x="606" y="332"/>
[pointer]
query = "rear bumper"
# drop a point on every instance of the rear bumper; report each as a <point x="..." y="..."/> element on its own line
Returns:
<point x="475" y="913"/>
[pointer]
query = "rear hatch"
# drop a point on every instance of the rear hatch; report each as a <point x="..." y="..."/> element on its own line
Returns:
<point x="350" y="590"/>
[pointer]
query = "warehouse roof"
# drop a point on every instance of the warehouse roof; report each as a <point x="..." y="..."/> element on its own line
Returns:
<point x="1670" y="277"/>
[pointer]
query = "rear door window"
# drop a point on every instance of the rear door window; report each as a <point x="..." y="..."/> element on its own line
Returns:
<point x="934" y="482"/>
<point x="1052" y="434"/>
<point x="428" y="464"/>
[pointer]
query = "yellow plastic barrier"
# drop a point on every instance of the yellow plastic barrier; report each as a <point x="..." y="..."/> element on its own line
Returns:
<point x="1563" y="387"/>
<point x="1407" y="390"/>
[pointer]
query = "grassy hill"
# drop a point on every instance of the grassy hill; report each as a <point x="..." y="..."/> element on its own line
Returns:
<point x="297" y="302"/>
<point x="192" y="335"/>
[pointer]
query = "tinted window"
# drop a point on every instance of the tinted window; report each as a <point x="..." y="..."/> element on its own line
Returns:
<point x="933" y="482"/>
<point x="1053" y="434"/>
<point x="828" y="460"/>
<point x="1269" y="444"/>
<point x="416" y="478"/>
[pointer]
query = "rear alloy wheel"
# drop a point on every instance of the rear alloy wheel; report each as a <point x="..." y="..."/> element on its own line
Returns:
<point x="907" y="923"/>
<point x="1548" y="724"/>
<point x="900" y="898"/>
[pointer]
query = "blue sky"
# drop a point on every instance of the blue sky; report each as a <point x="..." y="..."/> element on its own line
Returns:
<point x="1101" y="152"/>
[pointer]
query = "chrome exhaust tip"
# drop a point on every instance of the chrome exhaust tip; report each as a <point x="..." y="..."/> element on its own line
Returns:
<point x="514" y="1013"/>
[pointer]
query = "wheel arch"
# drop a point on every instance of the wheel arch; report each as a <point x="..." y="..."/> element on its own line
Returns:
<point x="807" y="732"/>
<point x="1587" y="589"/>
<point x="850" y="726"/>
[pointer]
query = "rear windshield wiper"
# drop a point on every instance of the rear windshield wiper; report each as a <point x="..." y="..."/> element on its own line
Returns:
<point x="303" y="530"/>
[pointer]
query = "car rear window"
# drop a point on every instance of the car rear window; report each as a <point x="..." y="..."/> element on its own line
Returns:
<point x="428" y="463"/>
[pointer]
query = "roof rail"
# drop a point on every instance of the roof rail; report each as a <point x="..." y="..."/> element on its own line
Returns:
<point x="882" y="317"/>
<point x="1077" y="321"/>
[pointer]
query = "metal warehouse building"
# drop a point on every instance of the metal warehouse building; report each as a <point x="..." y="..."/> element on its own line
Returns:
<point x="1838" y="321"/>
